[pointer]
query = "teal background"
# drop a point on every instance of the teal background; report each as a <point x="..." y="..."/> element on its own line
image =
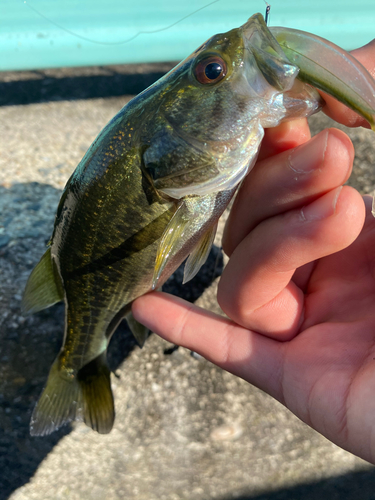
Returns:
<point x="30" y="41"/>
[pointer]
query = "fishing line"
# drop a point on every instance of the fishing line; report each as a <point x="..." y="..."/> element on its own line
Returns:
<point x="268" y="8"/>
<point x="146" y="32"/>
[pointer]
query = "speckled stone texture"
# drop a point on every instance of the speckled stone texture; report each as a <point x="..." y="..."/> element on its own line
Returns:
<point x="184" y="429"/>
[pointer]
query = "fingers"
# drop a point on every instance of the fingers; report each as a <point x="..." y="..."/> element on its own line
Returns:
<point x="287" y="135"/>
<point x="366" y="56"/>
<point x="246" y="354"/>
<point x="288" y="181"/>
<point x="338" y="111"/>
<point x="256" y="289"/>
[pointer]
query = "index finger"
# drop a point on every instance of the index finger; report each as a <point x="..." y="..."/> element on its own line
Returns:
<point x="245" y="353"/>
<point x="287" y="135"/>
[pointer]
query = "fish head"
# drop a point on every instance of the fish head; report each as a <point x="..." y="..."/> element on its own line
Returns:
<point x="213" y="107"/>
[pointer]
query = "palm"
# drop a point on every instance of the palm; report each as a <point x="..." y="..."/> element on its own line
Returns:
<point x="329" y="367"/>
<point x="299" y="290"/>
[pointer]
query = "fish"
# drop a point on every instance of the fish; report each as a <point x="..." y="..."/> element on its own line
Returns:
<point x="151" y="188"/>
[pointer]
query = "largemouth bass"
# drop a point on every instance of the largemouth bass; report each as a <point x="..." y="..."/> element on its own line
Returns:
<point x="150" y="190"/>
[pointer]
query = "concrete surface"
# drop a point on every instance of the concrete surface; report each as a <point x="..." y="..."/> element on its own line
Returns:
<point x="184" y="429"/>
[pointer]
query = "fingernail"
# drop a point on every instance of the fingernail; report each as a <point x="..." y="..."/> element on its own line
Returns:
<point x="308" y="157"/>
<point x="323" y="207"/>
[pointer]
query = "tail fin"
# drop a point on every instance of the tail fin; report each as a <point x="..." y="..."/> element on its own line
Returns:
<point x="87" y="397"/>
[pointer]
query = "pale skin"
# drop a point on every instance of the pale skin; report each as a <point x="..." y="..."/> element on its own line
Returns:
<point x="299" y="288"/>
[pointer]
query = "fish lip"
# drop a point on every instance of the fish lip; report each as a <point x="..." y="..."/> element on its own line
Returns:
<point x="331" y="69"/>
<point x="256" y="33"/>
<point x="265" y="56"/>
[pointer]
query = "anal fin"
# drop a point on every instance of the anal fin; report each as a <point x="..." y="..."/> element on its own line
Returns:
<point x="139" y="331"/>
<point x="44" y="287"/>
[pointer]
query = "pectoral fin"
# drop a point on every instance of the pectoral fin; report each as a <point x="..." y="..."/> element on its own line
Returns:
<point x="199" y="255"/>
<point x="194" y="217"/>
<point x="190" y="231"/>
<point x="331" y="69"/>
<point x="44" y="287"/>
<point x="170" y="241"/>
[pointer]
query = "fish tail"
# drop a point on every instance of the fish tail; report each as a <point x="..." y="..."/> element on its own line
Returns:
<point x="86" y="396"/>
<point x="98" y="406"/>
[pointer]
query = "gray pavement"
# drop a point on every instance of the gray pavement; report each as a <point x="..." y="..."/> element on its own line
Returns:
<point x="184" y="429"/>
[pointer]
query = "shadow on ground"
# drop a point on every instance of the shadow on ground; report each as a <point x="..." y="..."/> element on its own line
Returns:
<point x="29" y="87"/>
<point x="29" y="345"/>
<point x="352" y="486"/>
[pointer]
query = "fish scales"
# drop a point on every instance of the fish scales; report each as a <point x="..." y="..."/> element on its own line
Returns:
<point x="150" y="190"/>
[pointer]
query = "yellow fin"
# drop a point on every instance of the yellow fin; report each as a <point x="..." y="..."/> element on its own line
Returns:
<point x="171" y="241"/>
<point x="98" y="405"/>
<point x="86" y="397"/>
<point x="199" y="255"/>
<point x="44" y="287"/>
<point x="194" y="218"/>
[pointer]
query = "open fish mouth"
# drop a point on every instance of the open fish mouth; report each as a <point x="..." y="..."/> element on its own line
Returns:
<point x="284" y="54"/>
<point x="265" y="54"/>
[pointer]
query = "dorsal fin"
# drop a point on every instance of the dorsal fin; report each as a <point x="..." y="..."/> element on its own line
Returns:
<point x="44" y="287"/>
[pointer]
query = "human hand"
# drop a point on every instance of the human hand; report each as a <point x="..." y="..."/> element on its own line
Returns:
<point x="299" y="288"/>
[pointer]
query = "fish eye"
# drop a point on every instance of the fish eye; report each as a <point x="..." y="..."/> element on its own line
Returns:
<point x="212" y="69"/>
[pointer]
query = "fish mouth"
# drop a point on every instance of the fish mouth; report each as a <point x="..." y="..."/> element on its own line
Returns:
<point x="282" y="54"/>
<point x="331" y="69"/>
<point x="263" y="53"/>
